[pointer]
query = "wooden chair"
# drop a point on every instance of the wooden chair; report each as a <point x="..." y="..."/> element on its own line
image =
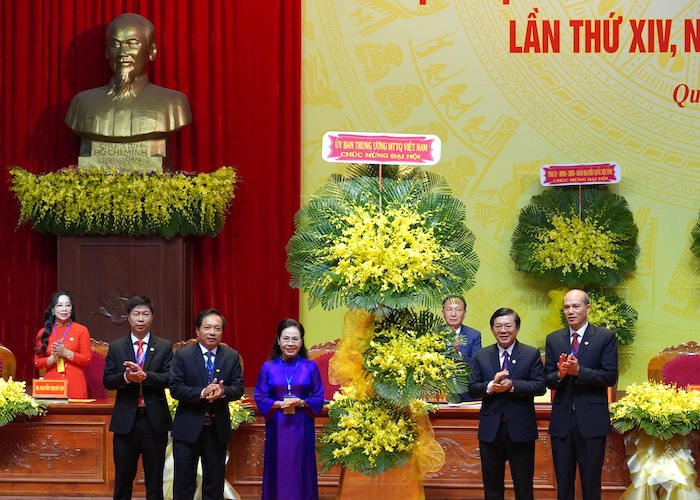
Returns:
<point x="183" y="343"/>
<point x="321" y="354"/>
<point x="679" y="364"/>
<point x="95" y="371"/>
<point x="8" y="363"/>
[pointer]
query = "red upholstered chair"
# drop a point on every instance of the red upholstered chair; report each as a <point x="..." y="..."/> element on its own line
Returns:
<point x="95" y="370"/>
<point x="8" y="363"/>
<point x="321" y="354"/>
<point x="678" y="364"/>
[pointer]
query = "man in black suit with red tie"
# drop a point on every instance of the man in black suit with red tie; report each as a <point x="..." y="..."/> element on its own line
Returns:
<point x="507" y="375"/>
<point x="138" y="367"/>
<point x="581" y="363"/>
<point x="204" y="377"/>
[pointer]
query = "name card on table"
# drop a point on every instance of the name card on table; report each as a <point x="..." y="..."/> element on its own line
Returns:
<point x="49" y="389"/>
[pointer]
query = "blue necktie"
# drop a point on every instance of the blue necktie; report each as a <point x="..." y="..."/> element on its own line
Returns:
<point x="505" y="360"/>
<point x="210" y="366"/>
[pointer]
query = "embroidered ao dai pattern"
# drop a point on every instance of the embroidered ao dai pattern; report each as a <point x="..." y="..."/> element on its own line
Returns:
<point x="289" y="470"/>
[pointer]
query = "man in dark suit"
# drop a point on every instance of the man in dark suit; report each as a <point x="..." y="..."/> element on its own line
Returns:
<point x="204" y="378"/>
<point x="138" y="367"/>
<point x="581" y="363"/>
<point x="467" y="339"/>
<point x="507" y="375"/>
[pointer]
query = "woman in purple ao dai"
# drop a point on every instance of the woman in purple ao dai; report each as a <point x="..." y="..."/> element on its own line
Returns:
<point x="289" y="393"/>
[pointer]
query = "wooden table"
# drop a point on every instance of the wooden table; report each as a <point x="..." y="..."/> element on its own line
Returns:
<point x="68" y="453"/>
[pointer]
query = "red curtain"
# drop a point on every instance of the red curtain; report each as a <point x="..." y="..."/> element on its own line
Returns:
<point x="239" y="64"/>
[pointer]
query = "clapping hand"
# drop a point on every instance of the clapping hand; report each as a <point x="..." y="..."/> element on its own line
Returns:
<point x="215" y="390"/>
<point x="58" y="350"/>
<point x="567" y="365"/>
<point x="501" y="382"/>
<point x="134" y="372"/>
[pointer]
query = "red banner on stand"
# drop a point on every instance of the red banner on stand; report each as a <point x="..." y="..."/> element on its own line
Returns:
<point x="580" y="173"/>
<point x="383" y="149"/>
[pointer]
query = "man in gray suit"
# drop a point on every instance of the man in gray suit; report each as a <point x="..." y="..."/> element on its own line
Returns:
<point x="507" y="375"/>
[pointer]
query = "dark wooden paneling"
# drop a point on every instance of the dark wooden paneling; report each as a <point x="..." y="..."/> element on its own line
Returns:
<point x="102" y="273"/>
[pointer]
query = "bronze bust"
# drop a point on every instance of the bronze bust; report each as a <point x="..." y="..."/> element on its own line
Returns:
<point x="129" y="108"/>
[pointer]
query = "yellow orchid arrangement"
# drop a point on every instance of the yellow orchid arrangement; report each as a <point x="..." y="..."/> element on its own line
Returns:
<point x="379" y="241"/>
<point x="574" y="245"/>
<point x="14" y="401"/>
<point x="370" y="436"/>
<point x="241" y="410"/>
<point x="393" y="248"/>
<point x="412" y="356"/>
<point x="661" y="410"/>
<point x="74" y="201"/>
<point x="379" y="244"/>
<point x="573" y="238"/>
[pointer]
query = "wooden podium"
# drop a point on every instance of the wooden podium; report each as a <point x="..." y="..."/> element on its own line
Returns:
<point x="104" y="272"/>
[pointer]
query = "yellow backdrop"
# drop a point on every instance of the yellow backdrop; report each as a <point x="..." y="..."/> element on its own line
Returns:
<point x="510" y="85"/>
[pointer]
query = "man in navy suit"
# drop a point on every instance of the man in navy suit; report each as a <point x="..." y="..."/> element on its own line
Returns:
<point x="581" y="363"/>
<point x="204" y="378"/>
<point x="138" y="367"/>
<point x="467" y="339"/>
<point x="507" y="375"/>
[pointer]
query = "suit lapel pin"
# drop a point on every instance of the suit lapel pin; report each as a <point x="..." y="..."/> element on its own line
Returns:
<point x="218" y="370"/>
<point x="513" y="361"/>
<point x="71" y="339"/>
<point x="585" y="343"/>
<point x="152" y="349"/>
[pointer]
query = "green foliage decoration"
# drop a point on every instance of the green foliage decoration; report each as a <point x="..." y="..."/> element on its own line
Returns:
<point x="81" y="202"/>
<point x="15" y="402"/>
<point x="591" y="243"/>
<point x="370" y="436"/>
<point x="412" y="356"/>
<point x="695" y="243"/>
<point x="381" y="244"/>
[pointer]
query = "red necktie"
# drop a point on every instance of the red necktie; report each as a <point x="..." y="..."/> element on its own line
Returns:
<point x="139" y="359"/>
<point x="574" y="343"/>
<point x="139" y="352"/>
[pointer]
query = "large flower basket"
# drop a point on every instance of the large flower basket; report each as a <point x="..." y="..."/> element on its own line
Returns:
<point x="662" y="424"/>
<point x="399" y="483"/>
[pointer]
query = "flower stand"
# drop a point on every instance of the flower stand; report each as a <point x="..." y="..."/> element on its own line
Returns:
<point x="400" y="483"/>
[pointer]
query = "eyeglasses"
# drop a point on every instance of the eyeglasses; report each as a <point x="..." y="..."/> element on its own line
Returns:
<point x="290" y="341"/>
